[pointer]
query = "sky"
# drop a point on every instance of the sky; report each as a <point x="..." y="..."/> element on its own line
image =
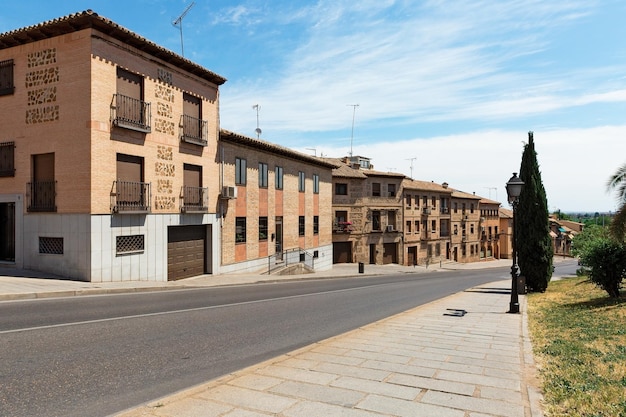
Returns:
<point x="442" y="91"/>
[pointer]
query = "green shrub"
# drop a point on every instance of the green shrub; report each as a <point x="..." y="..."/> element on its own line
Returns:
<point x="606" y="262"/>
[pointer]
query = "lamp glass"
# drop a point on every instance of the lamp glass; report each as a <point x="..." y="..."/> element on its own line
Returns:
<point x="514" y="187"/>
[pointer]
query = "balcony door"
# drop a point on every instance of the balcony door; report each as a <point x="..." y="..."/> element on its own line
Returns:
<point x="42" y="188"/>
<point x="7" y="232"/>
<point x="130" y="190"/>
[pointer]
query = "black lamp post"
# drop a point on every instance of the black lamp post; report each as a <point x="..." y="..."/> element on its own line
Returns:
<point x="513" y="190"/>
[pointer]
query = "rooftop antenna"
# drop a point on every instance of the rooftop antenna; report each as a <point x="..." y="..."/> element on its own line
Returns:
<point x="492" y="188"/>
<point x="179" y="23"/>
<point x="354" y="106"/>
<point x="411" y="159"/>
<point x="258" y="129"/>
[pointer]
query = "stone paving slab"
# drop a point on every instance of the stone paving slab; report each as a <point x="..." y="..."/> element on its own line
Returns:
<point x="418" y="363"/>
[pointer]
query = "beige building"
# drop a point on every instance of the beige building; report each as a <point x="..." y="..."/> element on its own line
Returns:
<point x="466" y="227"/>
<point x="275" y="205"/>
<point x="427" y="236"/>
<point x="367" y="205"/>
<point x="489" y="229"/>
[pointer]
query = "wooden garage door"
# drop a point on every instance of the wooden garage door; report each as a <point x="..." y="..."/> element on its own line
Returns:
<point x="186" y="251"/>
<point x="342" y="252"/>
<point x="390" y="255"/>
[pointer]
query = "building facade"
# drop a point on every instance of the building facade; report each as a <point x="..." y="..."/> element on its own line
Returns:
<point x="107" y="149"/>
<point x="489" y="229"/>
<point x="427" y="235"/>
<point x="275" y="204"/>
<point x="367" y="205"/>
<point x="466" y="227"/>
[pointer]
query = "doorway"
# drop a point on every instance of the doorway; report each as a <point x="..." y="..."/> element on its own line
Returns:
<point x="7" y="232"/>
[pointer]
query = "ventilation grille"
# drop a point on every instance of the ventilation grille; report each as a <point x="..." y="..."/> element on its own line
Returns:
<point x="51" y="245"/>
<point x="129" y="244"/>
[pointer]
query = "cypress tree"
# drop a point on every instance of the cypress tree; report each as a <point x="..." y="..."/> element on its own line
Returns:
<point x="534" y="245"/>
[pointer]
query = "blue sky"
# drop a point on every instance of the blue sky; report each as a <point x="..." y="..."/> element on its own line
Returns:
<point x="447" y="90"/>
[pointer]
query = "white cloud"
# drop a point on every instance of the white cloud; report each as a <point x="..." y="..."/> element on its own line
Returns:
<point x="575" y="164"/>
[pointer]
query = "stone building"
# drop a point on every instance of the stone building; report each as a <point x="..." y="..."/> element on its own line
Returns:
<point x="107" y="148"/>
<point x="489" y="229"/>
<point x="367" y="206"/>
<point x="427" y="220"/>
<point x="465" y="224"/>
<point x="275" y="205"/>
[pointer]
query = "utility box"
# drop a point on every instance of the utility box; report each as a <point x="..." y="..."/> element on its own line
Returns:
<point x="521" y="284"/>
<point x="361" y="267"/>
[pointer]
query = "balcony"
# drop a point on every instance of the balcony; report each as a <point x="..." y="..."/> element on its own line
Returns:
<point x="193" y="130"/>
<point x="130" y="113"/>
<point x="41" y="196"/>
<point x="194" y="199"/>
<point x="342" y="227"/>
<point x="129" y="197"/>
<point x="426" y="211"/>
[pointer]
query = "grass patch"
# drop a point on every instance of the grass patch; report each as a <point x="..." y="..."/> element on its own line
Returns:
<point x="579" y="341"/>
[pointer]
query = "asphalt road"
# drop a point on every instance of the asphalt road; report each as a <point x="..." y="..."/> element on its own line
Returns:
<point x="98" y="355"/>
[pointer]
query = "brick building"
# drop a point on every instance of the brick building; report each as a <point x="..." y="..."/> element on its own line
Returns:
<point x="489" y="229"/>
<point x="107" y="154"/>
<point x="276" y="206"/>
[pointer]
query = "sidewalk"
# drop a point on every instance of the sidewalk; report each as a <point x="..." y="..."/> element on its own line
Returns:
<point x="461" y="356"/>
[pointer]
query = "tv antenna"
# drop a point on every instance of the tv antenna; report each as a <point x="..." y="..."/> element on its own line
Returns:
<point x="179" y="24"/>
<point x="411" y="159"/>
<point x="354" y="106"/>
<point x="258" y="129"/>
<point x="492" y="188"/>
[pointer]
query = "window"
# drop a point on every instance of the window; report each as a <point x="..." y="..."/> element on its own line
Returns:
<point x="391" y="218"/>
<point x="417" y="226"/>
<point x="131" y="112"/>
<point x="6" y="77"/>
<point x="408" y="200"/>
<point x="425" y="201"/>
<point x="240" y="230"/>
<point x="341" y="216"/>
<point x="376" y="220"/>
<point x="433" y="201"/>
<point x="7" y="159"/>
<point x="316" y="225"/>
<point x="193" y="128"/>
<point x="391" y="190"/>
<point x="376" y="189"/>
<point x="262" y="175"/>
<point x="433" y="226"/>
<point x="262" y="228"/>
<point x="51" y="245"/>
<point x="129" y="244"/>
<point x="341" y="189"/>
<point x="456" y="207"/>
<point x="408" y="226"/>
<point x="472" y="228"/>
<point x="278" y="178"/>
<point x="301" y="226"/>
<point x="240" y="171"/>
<point x="417" y="201"/>
<point x="316" y="184"/>
<point x="301" y="180"/>
<point x="472" y="208"/>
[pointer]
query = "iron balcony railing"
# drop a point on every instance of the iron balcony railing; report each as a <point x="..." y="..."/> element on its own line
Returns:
<point x="131" y="113"/>
<point x="194" y="199"/>
<point x="41" y="196"/>
<point x="130" y="197"/>
<point x="193" y="130"/>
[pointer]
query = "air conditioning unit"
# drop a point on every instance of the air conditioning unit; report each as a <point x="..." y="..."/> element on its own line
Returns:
<point x="426" y="210"/>
<point x="390" y="228"/>
<point x="229" y="192"/>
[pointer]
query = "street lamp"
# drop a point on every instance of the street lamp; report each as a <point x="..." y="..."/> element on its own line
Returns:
<point x="513" y="190"/>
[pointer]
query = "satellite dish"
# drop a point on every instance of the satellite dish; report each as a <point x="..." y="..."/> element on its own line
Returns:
<point x="258" y="131"/>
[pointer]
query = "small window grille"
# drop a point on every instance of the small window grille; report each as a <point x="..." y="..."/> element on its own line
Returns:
<point x="51" y="245"/>
<point x="129" y="244"/>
